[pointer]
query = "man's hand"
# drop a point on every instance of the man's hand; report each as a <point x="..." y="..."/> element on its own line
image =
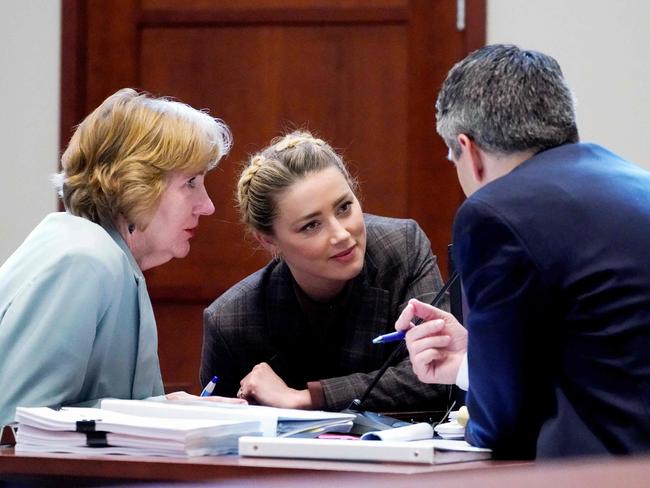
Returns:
<point x="437" y="346"/>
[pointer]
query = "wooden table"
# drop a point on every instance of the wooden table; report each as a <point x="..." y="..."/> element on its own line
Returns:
<point x="86" y="469"/>
<point x="231" y="471"/>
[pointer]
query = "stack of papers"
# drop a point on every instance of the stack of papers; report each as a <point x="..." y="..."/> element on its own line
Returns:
<point x="274" y="422"/>
<point x="412" y="443"/>
<point x="99" y="431"/>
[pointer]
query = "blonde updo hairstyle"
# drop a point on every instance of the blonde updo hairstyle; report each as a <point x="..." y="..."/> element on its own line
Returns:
<point x="271" y="171"/>
<point x="120" y="156"/>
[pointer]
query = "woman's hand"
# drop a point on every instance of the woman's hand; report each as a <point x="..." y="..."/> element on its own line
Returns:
<point x="437" y="346"/>
<point x="182" y="395"/>
<point x="263" y="386"/>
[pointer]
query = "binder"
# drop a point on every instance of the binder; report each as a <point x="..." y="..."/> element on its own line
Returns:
<point x="8" y="434"/>
<point x="97" y="431"/>
<point x="431" y="451"/>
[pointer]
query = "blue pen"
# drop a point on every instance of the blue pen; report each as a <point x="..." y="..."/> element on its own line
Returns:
<point x="398" y="336"/>
<point x="209" y="388"/>
<point x="392" y="337"/>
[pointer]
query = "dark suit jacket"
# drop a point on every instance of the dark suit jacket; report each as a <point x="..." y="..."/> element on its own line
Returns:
<point x="259" y="319"/>
<point x="555" y="262"/>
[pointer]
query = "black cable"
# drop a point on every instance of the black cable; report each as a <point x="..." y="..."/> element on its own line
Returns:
<point x="355" y="405"/>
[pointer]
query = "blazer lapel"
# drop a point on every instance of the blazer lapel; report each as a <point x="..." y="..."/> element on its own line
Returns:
<point x="285" y="325"/>
<point x="368" y="317"/>
<point x="147" y="379"/>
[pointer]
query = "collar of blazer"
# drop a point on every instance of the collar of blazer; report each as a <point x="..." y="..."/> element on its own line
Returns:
<point x="368" y="305"/>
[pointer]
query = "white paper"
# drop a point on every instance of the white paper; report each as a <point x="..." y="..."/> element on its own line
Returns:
<point x="412" y="432"/>
<point x="270" y="417"/>
<point x="450" y="430"/>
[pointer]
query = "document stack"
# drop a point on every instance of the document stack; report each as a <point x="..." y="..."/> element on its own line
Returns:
<point x="100" y="431"/>
<point x="412" y="443"/>
<point x="281" y="422"/>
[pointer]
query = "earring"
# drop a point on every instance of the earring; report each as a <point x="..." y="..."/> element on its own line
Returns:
<point x="131" y="228"/>
<point x="276" y="255"/>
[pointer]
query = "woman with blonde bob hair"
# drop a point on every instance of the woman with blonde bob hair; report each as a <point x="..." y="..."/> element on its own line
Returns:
<point x="76" y="322"/>
<point x="297" y="333"/>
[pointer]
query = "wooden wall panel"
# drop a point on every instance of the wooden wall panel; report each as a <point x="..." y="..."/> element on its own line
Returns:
<point x="362" y="74"/>
<point x="179" y="339"/>
<point x="433" y="192"/>
<point x="262" y="9"/>
<point x="112" y="49"/>
<point x="270" y="4"/>
<point x="346" y="83"/>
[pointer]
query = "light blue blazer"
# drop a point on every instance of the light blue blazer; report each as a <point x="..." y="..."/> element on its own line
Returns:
<point x="76" y="322"/>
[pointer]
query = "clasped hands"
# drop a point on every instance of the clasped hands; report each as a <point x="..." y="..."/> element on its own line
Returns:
<point x="437" y="346"/>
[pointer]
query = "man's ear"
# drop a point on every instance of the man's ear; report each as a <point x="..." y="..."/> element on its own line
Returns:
<point x="266" y="241"/>
<point x="474" y="158"/>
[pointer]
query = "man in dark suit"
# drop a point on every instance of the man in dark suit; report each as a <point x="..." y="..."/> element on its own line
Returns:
<point x="553" y="249"/>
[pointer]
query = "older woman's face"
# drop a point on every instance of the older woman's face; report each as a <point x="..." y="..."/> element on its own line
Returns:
<point x="175" y="220"/>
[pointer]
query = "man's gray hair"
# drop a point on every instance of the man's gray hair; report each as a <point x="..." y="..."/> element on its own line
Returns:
<point x="506" y="100"/>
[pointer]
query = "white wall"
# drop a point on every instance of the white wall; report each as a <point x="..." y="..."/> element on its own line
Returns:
<point x="30" y="34"/>
<point x="603" y="47"/>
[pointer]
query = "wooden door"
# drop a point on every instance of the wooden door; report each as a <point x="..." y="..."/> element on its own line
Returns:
<point x="361" y="74"/>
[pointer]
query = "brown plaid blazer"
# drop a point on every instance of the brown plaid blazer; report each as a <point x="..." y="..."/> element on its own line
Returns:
<point x="259" y="319"/>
